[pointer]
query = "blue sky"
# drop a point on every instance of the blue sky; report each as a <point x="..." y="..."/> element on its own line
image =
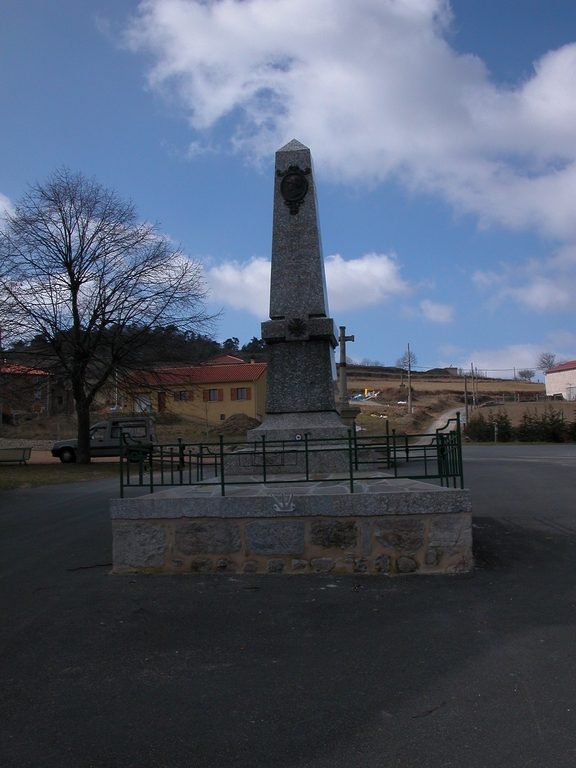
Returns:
<point x="443" y="136"/>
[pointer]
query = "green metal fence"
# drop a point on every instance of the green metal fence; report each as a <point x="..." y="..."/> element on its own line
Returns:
<point x="428" y="456"/>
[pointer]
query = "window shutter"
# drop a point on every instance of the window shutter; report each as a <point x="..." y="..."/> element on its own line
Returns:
<point x="233" y="393"/>
<point x="206" y="395"/>
<point x="220" y="395"/>
<point x="190" y="395"/>
<point x="176" y="395"/>
<point x="248" y="393"/>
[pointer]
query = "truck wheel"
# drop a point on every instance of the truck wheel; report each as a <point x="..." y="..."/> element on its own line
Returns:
<point x="67" y="456"/>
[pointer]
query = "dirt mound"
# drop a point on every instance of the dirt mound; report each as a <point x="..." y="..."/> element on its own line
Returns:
<point x="238" y="424"/>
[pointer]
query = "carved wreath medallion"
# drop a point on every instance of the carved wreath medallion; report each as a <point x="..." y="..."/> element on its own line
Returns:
<point x="294" y="186"/>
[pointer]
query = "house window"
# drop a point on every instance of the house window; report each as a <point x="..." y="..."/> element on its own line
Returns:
<point x="222" y="417"/>
<point x="60" y="399"/>
<point x="241" y="393"/>
<point x="183" y="395"/>
<point x="213" y="395"/>
<point x="37" y="394"/>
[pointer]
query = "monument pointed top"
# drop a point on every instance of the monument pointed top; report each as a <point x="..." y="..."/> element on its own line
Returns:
<point x="293" y="146"/>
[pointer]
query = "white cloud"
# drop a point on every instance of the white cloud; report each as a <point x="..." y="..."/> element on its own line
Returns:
<point x="544" y="286"/>
<point x="5" y="207"/>
<point x="242" y="286"/>
<point x="544" y="295"/>
<point x="437" y="313"/>
<point x="371" y="279"/>
<point x="562" y="339"/>
<point x="501" y="362"/>
<point x="375" y="89"/>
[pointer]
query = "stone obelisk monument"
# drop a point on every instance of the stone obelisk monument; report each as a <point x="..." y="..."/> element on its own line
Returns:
<point x="300" y="335"/>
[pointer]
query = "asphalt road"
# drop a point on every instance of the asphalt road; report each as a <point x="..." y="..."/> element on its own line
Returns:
<point x="473" y="671"/>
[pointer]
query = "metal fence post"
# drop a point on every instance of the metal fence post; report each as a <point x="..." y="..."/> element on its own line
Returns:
<point x="351" y="461"/>
<point x="387" y="444"/>
<point x="222" y="487"/>
<point x="460" y="459"/>
<point x="121" y="464"/>
<point x="264" y="458"/>
<point x="306" y="455"/>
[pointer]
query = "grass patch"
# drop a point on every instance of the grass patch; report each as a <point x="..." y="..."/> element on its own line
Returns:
<point x="34" y="475"/>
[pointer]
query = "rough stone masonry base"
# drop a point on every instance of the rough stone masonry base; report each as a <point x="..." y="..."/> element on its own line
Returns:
<point x="404" y="532"/>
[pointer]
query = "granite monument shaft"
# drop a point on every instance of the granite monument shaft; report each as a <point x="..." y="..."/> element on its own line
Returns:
<point x="300" y="335"/>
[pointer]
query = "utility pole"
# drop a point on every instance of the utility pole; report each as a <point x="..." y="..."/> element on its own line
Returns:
<point x="466" y="398"/>
<point x="473" y="387"/>
<point x="347" y="414"/>
<point x="409" y="382"/>
<point x="476" y="379"/>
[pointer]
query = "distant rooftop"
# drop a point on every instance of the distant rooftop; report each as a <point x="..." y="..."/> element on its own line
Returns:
<point x="569" y="365"/>
<point x="200" y="374"/>
<point x="224" y="360"/>
<point x="22" y="370"/>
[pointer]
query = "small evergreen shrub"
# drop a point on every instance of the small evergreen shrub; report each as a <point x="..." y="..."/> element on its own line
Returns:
<point x="546" y="427"/>
<point x="480" y="428"/>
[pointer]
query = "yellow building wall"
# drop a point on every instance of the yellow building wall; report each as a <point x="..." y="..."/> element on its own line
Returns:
<point x="195" y="405"/>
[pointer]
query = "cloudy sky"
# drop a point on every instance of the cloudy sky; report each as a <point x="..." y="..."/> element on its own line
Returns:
<point x="443" y="136"/>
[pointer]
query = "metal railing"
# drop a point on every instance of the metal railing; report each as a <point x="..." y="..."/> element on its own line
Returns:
<point x="427" y="456"/>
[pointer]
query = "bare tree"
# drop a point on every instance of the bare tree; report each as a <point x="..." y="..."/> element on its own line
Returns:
<point x="545" y="361"/>
<point x="402" y="362"/>
<point x="527" y="374"/>
<point x="80" y="270"/>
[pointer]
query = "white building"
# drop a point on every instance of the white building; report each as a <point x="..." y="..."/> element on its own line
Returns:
<point x="561" y="380"/>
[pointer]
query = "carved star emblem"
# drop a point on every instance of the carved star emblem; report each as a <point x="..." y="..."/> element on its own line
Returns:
<point x="297" y="327"/>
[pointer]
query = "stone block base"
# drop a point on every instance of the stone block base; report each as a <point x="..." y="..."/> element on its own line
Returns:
<point x="287" y="426"/>
<point x="407" y="528"/>
<point x="331" y="458"/>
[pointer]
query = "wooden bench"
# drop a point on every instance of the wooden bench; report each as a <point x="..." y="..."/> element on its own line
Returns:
<point x="21" y="455"/>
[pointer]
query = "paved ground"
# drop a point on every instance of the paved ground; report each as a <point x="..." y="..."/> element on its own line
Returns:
<point x="45" y="457"/>
<point x="182" y="672"/>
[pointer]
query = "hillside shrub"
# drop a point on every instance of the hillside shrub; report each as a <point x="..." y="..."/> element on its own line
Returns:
<point x="549" y="426"/>
<point x="546" y="427"/>
<point x="505" y="429"/>
<point x="480" y="428"/>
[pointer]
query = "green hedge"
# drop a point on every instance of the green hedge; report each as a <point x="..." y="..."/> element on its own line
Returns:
<point x="550" y="426"/>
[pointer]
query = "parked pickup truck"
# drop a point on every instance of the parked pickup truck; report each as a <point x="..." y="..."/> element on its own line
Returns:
<point x="105" y="438"/>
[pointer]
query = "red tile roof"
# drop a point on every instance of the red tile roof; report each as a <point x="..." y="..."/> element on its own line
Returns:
<point x="199" y="374"/>
<point x="567" y="366"/>
<point x="22" y="370"/>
